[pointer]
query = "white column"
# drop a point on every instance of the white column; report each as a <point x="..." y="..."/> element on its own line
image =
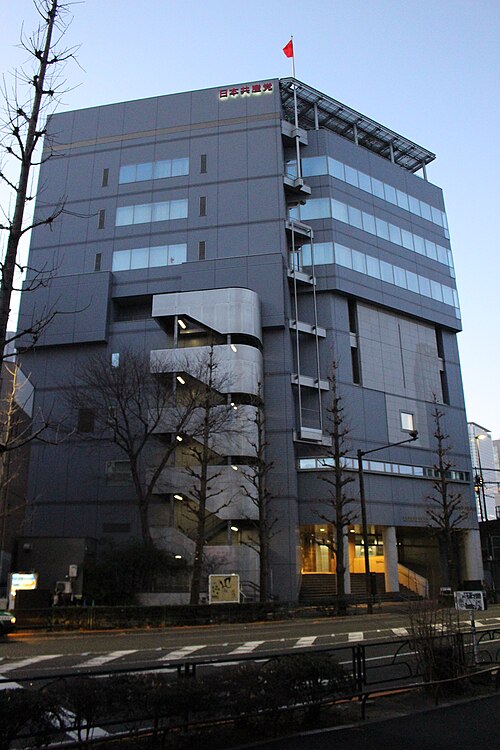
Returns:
<point x="390" y="558"/>
<point x="472" y="553"/>
<point x="347" y="572"/>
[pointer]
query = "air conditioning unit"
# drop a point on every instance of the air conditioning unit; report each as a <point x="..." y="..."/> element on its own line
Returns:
<point x="63" y="587"/>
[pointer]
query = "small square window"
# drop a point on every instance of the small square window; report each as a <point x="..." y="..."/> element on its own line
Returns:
<point x="85" y="420"/>
<point x="407" y="422"/>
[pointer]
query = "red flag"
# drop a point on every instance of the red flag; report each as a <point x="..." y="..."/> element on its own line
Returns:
<point x="288" y="49"/>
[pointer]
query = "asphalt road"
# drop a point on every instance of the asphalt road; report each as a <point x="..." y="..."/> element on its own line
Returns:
<point x="26" y="655"/>
<point x="466" y="725"/>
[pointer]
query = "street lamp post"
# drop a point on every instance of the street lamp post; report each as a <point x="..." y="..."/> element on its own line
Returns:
<point x="362" y="499"/>
<point x="481" y="493"/>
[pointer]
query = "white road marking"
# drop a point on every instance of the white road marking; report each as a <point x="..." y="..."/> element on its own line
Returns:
<point x="400" y="631"/>
<point x="181" y="653"/>
<point x="8" y="685"/>
<point x="247" y="647"/>
<point x="306" y="641"/>
<point x="26" y="662"/>
<point x="97" y="661"/>
<point x="69" y="721"/>
<point x="356" y="636"/>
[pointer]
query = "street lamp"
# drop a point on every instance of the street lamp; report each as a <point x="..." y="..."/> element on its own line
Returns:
<point x="364" y="527"/>
<point x="483" y="511"/>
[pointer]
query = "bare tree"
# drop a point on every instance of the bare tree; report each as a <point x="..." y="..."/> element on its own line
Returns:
<point x="341" y="513"/>
<point x="446" y="509"/>
<point x="214" y="418"/>
<point x="256" y="489"/>
<point x="133" y="405"/>
<point x="34" y="94"/>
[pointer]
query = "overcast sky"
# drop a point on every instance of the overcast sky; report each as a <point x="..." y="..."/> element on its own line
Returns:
<point x="428" y="69"/>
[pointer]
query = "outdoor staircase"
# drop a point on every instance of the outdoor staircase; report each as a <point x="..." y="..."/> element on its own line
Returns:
<point x="321" y="588"/>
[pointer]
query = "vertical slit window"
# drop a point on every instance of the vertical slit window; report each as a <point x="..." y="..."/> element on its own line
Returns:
<point x="201" y="250"/>
<point x="203" y="205"/>
<point x="105" y="177"/>
<point x="203" y="164"/>
<point x="97" y="262"/>
<point x="102" y="218"/>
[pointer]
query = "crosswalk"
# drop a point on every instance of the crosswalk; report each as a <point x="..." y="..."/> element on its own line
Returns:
<point x="166" y="658"/>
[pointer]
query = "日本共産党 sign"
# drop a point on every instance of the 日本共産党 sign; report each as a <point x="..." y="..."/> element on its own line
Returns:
<point x="247" y="89"/>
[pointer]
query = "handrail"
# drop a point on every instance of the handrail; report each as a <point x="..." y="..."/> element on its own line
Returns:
<point x="413" y="581"/>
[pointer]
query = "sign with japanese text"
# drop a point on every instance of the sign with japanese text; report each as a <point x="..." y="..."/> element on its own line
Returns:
<point x="223" y="588"/>
<point x="247" y="89"/>
<point x="469" y="600"/>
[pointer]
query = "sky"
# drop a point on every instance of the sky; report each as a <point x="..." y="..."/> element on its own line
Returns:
<point x="428" y="69"/>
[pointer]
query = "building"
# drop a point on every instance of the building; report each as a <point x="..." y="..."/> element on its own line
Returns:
<point x="16" y="412"/>
<point x="290" y="230"/>
<point x="496" y="456"/>
<point x="483" y="464"/>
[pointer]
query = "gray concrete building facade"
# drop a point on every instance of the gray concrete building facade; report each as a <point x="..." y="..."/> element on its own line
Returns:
<point x="292" y="237"/>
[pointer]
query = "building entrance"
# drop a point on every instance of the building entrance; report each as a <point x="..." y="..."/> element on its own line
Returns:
<point x="317" y="556"/>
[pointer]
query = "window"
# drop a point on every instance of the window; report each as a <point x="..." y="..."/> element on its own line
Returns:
<point x="97" y="261"/>
<point x="105" y="177"/>
<point x="203" y="164"/>
<point x="149" y="257"/>
<point x="203" y="205"/>
<point x="85" y="420"/>
<point x="153" y="170"/>
<point x="102" y="218"/>
<point x="115" y="359"/>
<point x="201" y="250"/>
<point x="407" y="422"/>
<point x="118" y="472"/>
<point x="146" y="212"/>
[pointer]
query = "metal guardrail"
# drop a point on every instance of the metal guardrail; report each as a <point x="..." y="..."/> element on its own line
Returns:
<point x="364" y="661"/>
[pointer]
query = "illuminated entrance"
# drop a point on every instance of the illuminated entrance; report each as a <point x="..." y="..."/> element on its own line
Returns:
<point x="319" y="557"/>
<point x="316" y="556"/>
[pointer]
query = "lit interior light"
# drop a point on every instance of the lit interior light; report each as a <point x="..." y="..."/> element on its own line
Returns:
<point x="232" y="403"/>
<point x="178" y="497"/>
<point x="234" y="347"/>
<point x="235" y="408"/>
<point x="352" y="531"/>
<point x="181" y="380"/>
<point x="178" y="437"/>
<point x="181" y="323"/>
<point x="178" y="557"/>
<point x="322" y="529"/>
<point x="233" y="466"/>
<point x="234" y="528"/>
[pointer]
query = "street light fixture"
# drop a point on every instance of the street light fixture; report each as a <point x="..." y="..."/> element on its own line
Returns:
<point x="364" y="527"/>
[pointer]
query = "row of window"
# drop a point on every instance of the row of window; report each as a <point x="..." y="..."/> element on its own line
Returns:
<point x="149" y="257"/>
<point x="329" y="252"/>
<point x="319" y="165"/>
<point x="328" y="208"/>
<point x="153" y="170"/>
<point x="381" y="467"/>
<point x="147" y="212"/>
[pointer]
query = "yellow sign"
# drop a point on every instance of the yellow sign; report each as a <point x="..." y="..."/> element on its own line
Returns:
<point x="223" y="588"/>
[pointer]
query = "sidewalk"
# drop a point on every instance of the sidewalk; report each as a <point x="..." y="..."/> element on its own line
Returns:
<point x="460" y="726"/>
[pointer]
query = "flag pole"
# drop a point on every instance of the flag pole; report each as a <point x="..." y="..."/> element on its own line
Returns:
<point x="296" y="114"/>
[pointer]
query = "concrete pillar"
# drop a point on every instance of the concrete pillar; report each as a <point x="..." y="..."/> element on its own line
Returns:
<point x="472" y="553"/>
<point x="347" y="572"/>
<point x="390" y="558"/>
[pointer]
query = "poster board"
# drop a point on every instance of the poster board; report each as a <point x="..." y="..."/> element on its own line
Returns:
<point x="469" y="600"/>
<point x="224" y="588"/>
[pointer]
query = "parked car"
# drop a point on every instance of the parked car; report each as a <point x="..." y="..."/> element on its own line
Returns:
<point x="7" y="622"/>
